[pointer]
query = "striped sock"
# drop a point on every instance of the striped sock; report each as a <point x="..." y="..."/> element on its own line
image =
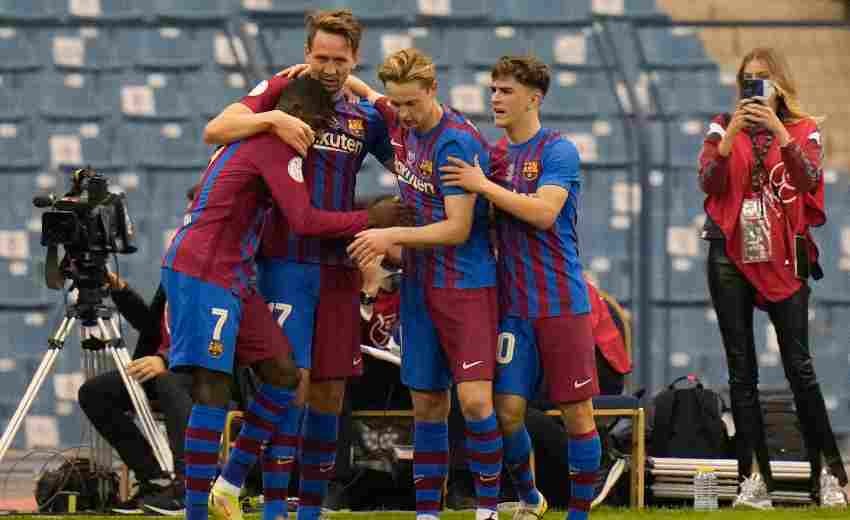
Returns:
<point x="517" y="455"/>
<point x="203" y="437"/>
<point x="278" y="460"/>
<point x="585" y="450"/>
<point x="260" y="421"/>
<point x="484" y="451"/>
<point x="430" y="465"/>
<point x="318" y="456"/>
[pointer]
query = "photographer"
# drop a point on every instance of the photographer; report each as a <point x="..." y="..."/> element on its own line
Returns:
<point x="760" y="168"/>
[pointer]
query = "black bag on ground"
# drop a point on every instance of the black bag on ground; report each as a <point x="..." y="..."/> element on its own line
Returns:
<point x="687" y="422"/>
<point x="95" y="491"/>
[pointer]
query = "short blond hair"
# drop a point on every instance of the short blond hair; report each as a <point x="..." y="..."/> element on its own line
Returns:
<point x="408" y="65"/>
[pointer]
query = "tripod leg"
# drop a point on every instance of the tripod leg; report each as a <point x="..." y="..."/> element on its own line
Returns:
<point x="27" y="400"/>
<point x="138" y="397"/>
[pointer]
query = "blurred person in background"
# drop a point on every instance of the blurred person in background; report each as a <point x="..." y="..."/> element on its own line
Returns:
<point x="760" y="168"/>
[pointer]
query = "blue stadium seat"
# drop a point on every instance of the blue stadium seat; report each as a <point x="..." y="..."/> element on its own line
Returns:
<point x="382" y="11"/>
<point x="96" y="142"/>
<point x="13" y="12"/>
<point x="154" y="97"/>
<point x="692" y="346"/>
<point x="557" y="11"/>
<point x="692" y="92"/>
<point x="77" y="49"/>
<point x="601" y="142"/>
<point x="663" y="47"/>
<point x="275" y="9"/>
<point x="17" y="146"/>
<point x="169" y="48"/>
<point x="106" y="11"/>
<point x="282" y="46"/>
<point x="20" y="187"/>
<point x="378" y="43"/>
<point x="374" y="180"/>
<point x="169" y="144"/>
<point x="485" y="46"/>
<point x="23" y="281"/>
<point x="168" y="190"/>
<point x="567" y="47"/>
<point x="72" y="97"/>
<point x="219" y="90"/>
<point x="12" y="99"/>
<point x="686" y="137"/>
<point x="678" y="262"/>
<point x="17" y="51"/>
<point x="457" y="11"/>
<point x="194" y="11"/>
<point x="580" y="94"/>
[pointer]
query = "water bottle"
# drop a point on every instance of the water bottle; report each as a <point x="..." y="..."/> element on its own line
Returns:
<point x="705" y="489"/>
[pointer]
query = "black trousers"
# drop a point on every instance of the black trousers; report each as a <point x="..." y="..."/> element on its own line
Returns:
<point x="734" y="301"/>
<point x="105" y="401"/>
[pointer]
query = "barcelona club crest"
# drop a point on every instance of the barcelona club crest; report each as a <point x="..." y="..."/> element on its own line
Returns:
<point x="215" y="348"/>
<point x="355" y="126"/>
<point x="426" y="168"/>
<point x="530" y="170"/>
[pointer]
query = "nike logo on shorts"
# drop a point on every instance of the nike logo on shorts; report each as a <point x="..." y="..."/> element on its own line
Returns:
<point x="576" y="384"/>
<point x="467" y="366"/>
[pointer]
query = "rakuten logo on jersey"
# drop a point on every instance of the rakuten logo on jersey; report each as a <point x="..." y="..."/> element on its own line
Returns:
<point x="406" y="176"/>
<point x="335" y="142"/>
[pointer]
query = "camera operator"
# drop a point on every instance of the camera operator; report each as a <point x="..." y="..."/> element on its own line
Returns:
<point x="760" y="168"/>
<point x="105" y="401"/>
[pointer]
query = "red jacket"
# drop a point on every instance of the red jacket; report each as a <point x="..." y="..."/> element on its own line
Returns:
<point x="792" y="192"/>
<point x="606" y="335"/>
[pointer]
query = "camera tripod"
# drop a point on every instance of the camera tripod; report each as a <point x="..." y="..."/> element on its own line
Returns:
<point x="95" y="319"/>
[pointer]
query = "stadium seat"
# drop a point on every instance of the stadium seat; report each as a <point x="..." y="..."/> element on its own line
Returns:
<point x="282" y="46"/>
<point x="14" y="97"/>
<point x="86" y="49"/>
<point x="556" y="11"/>
<point x="90" y="143"/>
<point x="665" y="47"/>
<point x="72" y="96"/>
<point x="686" y="138"/>
<point x="378" y="43"/>
<point x="106" y="11"/>
<point x="17" y="51"/>
<point x="484" y="47"/>
<point x="602" y="142"/>
<point x="168" y="189"/>
<point x="168" y="144"/>
<point x="374" y="180"/>
<point x="216" y="90"/>
<point x="566" y="47"/>
<point x="579" y="94"/>
<point x="435" y="11"/>
<point x="170" y="49"/>
<point x="194" y="11"/>
<point x="14" y="12"/>
<point x="153" y="97"/>
<point x="17" y="146"/>
<point x="370" y="11"/>
<point x="23" y="281"/>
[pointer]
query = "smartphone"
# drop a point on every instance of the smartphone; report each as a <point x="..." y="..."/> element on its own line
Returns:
<point x="801" y="257"/>
<point x="757" y="89"/>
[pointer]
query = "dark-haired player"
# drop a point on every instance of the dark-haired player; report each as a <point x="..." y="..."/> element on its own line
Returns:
<point x="215" y="316"/>
<point x="545" y="327"/>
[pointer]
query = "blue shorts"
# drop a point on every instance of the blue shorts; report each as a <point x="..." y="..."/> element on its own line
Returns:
<point x="447" y="335"/>
<point x="562" y="344"/>
<point x="213" y="328"/>
<point x="319" y="308"/>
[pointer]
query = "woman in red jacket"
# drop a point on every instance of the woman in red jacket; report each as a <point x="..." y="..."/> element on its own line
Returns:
<point x="760" y="168"/>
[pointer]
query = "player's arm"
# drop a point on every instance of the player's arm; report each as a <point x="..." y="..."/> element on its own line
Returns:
<point x="257" y="112"/>
<point x="453" y="230"/>
<point x="541" y="209"/>
<point x="281" y="170"/>
<point x="361" y="89"/>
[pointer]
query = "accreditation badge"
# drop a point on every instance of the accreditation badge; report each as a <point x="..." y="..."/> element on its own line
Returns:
<point x="755" y="232"/>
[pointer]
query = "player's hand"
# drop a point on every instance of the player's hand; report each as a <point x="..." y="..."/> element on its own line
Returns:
<point x="295" y="71"/>
<point x="371" y="244"/>
<point x="292" y="131"/>
<point x="146" y="368"/>
<point x="390" y="212"/>
<point x="461" y="174"/>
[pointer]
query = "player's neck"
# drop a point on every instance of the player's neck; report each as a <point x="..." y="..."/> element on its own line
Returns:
<point x="434" y="118"/>
<point x="523" y="129"/>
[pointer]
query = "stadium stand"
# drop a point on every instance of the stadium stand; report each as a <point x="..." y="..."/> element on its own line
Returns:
<point x="126" y="86"/>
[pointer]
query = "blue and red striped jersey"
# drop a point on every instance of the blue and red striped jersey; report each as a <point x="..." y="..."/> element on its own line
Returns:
<point x="540" y="272"/>
<point x="330" y="171"/>
<point x="418" y="158"/>
<point x="221" y="230"/>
